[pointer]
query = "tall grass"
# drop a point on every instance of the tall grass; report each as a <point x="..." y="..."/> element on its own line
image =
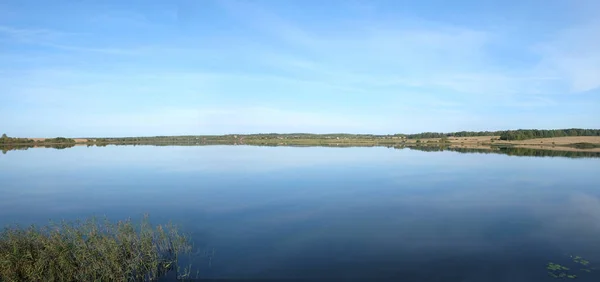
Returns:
<point x="91" y="250"/>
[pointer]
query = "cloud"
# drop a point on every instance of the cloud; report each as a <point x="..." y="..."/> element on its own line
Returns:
<point x="107" y="50"/>
<point x="409" y="53"/>
<point x="63" y="40"/>
<point x="33" y="34"/>
<point x="574" y="53"/>
<point x="137" y="103"/>
<point x="124" y="19"/>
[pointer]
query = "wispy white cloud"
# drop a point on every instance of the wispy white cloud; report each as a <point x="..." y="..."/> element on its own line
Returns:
<point x="106" y="50"/>
<point x="431" y="56"/>
<point x="574" y="54"/>
<point x="409" y="53"/>
<point x="33" y="34"/>
<point x="124" y="19"/>
<point x="66" y="41"/>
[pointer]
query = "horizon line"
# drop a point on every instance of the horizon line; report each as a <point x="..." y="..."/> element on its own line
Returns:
<point x="308" y="133"/>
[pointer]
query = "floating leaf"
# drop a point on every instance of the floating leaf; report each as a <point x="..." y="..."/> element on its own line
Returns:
<point x="555" y="266"/>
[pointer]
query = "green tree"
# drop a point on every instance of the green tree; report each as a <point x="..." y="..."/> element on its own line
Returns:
<point x="4" y="136"/>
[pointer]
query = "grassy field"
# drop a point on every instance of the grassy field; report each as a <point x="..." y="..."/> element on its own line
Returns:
<point x="560" y="140"/>
<point x="484" y="142"/>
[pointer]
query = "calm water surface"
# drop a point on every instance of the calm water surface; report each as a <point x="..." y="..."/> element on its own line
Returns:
<point x="329" y="213"/>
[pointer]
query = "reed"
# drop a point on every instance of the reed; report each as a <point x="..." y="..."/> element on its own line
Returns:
<point x="91" y="250"/>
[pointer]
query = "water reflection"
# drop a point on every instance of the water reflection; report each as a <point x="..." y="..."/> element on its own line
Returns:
<point x="329" y="213"/>
<point x="6" y="148"/>
<point x="511" y="151"/>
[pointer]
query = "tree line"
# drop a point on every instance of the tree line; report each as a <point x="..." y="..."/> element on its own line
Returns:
<point x="12" y="140"/>
<point x="519" y="134"/>
<point x="5" y="140"/>
<point x="524" y="134"/>
<point x="58" y="140"/>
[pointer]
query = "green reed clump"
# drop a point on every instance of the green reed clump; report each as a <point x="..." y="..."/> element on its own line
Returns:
<point x="91" y="250"/>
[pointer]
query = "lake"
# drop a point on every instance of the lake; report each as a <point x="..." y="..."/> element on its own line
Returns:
<point x="371" y="214"/>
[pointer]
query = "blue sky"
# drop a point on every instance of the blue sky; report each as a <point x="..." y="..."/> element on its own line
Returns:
<point x="129" y="68"/>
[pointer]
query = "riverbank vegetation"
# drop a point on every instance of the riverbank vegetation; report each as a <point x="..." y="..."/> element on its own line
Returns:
<point x="91" y="250"/>
<point x="57" y="140"/>
<point x="5" y="140"/>
<point x="11" y="140"/>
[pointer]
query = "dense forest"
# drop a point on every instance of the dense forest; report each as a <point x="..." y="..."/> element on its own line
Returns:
<point x="524" y="134"/>
<point x="520" y="134"/>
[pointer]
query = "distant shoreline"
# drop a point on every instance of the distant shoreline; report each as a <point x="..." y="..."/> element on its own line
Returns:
<point x="574" y="139"/>
<point x="572" y="143"/>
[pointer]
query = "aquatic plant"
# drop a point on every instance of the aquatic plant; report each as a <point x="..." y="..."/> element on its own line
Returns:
<point x="559" y="271"/>
<point x="91" y="250"/>
<point x="580" y="260"/>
